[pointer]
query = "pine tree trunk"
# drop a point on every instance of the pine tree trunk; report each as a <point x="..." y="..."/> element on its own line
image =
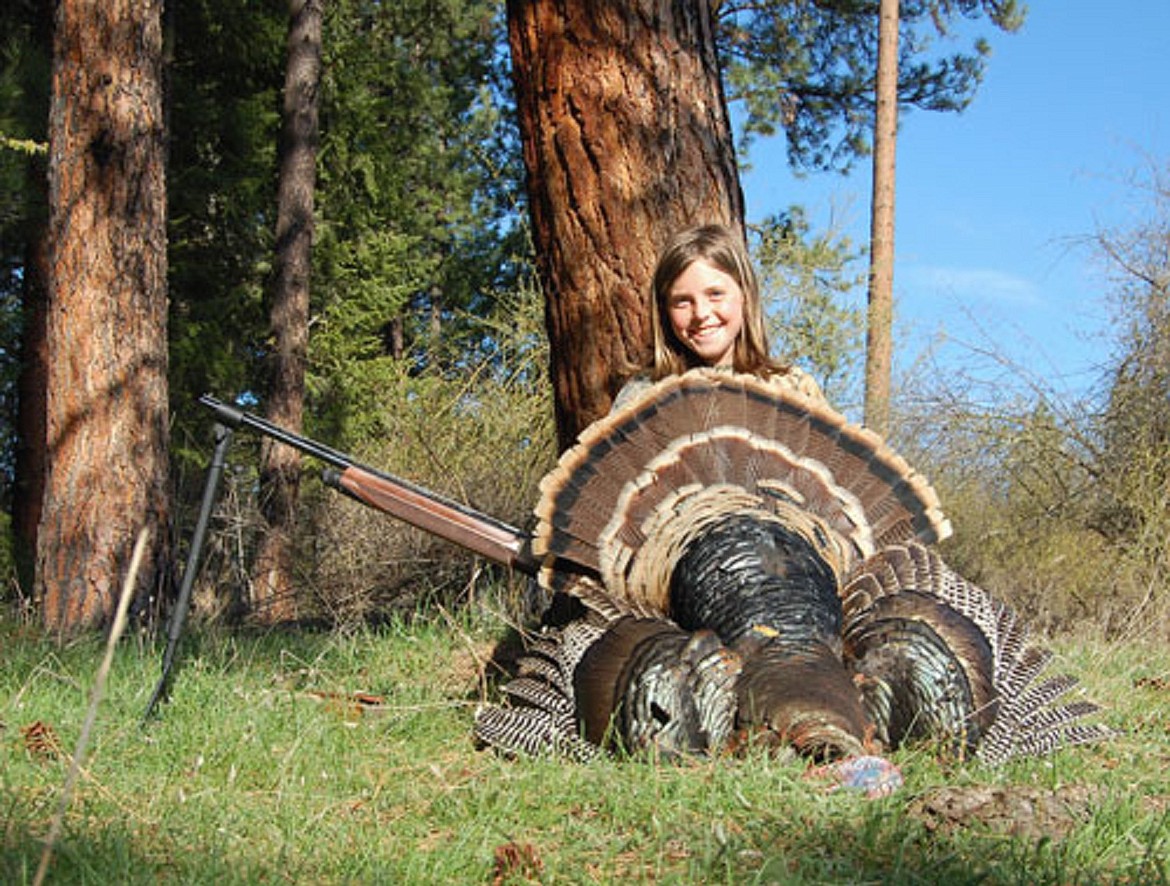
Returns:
<point x="105" y="331"/>
<point x="880" y="314"/>
<point x="626" y="138"/>
<point x="274" y="597"/>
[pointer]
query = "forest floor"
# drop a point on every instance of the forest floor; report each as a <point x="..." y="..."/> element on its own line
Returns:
<point x="332" y="757"/>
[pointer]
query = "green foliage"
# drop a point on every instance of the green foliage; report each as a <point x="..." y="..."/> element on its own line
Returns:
<point x="1014" y="479"/>
<point x="24" y="103"/>
<point x="268" y="764"/>
<point x="482" y="436"/>
<point x="416" y="246"/>
<point x="226" y="77"/>
<point x="11" y="326"/>
<point x="807" y="281"/>
<point x="377" y="271"/>
<point x="418" y="183"/>
<point x="1134" y="428"/>
<point x="808" y="68"/>
<point x="416" y="180"/>
<point x="7" y="557"/>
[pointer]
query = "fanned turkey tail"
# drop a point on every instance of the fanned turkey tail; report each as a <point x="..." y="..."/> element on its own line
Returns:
<point x="642" y="484"/>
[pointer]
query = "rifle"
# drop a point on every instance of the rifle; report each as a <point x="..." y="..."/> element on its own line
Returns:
<point x="450" y="520"/>
<point x="419" y="507"/>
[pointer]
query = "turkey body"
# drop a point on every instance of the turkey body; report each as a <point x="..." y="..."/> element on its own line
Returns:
<point x="748" y="571"/>
<point x="768" y="592"/>
<point x="755" y="568"/>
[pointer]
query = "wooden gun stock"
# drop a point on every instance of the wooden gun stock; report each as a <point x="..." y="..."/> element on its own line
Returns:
<point x="418" y="507"/>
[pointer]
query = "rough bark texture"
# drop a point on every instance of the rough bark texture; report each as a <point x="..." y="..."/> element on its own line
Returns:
<point x="105" y="332"/>
<point x="626" y="139"/>
<point x="274" y="597"/>
<point x="879" y="323"/>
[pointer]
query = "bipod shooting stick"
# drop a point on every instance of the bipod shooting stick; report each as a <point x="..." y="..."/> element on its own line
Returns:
<point x="223" y="440"/>
<point x="450" y="520"/>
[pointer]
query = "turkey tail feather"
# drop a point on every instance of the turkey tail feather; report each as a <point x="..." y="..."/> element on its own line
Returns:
<point x="530" y="732"/>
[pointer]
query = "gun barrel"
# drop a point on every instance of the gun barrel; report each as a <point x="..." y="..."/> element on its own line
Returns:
<point x="234" y="417"/>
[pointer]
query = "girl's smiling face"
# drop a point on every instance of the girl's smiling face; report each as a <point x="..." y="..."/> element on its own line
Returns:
<point x="705" y="309"/>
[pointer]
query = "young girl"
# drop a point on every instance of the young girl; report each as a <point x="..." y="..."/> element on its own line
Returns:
<point x="706" y="311"/>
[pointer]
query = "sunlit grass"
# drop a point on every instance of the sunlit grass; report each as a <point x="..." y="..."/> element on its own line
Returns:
<point x="271" y="764"/>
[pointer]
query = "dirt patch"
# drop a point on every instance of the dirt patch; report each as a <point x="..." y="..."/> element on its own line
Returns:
<point x="1017" y="811"/>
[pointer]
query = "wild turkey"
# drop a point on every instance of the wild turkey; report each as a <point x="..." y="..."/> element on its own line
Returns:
<point x="717" y="503"/>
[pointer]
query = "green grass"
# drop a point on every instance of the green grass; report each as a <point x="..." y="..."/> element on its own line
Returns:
<point x="258" y="770"/>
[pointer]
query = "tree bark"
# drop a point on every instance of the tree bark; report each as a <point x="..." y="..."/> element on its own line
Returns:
<point x="274" y="597"/>
<point x="106" y="324"/>
<point x="880" y="314"/>
<point x="626" y="138"/>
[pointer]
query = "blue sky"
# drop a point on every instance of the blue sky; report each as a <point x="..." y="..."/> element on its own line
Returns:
<point x="993" y="204"/>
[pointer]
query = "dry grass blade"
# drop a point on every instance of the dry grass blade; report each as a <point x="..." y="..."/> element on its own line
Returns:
<point x="98" y="691"/>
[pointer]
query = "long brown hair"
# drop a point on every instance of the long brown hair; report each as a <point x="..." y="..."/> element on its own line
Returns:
<point x="720" y="247"/>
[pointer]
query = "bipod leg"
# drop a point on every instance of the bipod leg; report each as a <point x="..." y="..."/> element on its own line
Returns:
<point x="223" y="439"/>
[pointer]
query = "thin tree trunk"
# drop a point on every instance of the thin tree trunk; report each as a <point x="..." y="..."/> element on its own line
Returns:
<point x="395" y="337"/>
<point x="274" y="595"/>
<point x="106" y="324"/>
<point x="30" y="463"/>
<point x="31" y="385"/>
<point x="879" y="336"/>
<point x="626" y="138"/>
